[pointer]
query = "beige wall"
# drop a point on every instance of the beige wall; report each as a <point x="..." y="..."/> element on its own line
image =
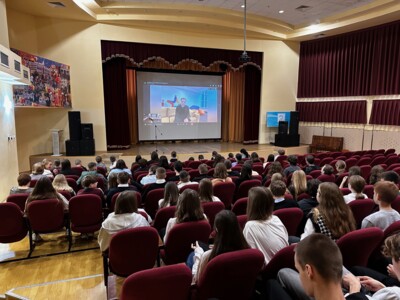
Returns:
<point x="78" y="44"/>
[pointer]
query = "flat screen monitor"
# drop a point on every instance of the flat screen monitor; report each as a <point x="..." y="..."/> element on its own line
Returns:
<point x="273" y="118"/>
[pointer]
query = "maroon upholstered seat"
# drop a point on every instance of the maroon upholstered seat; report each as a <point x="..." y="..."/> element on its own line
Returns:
<point x="231" y="275"/>
<point x="365" y="160"/>
<point x="242" y="220"/>
<point x="162" y="217"/>
<point x="245" y="186"/>
<point x="13" y="226"/>
<point x="211" y="209"/>
<point x="194" y="164"/>
<point x="369" y="191"/>
<point x="345" y="191"/>
<point x="75" y="177"/>
<point x="240" y="206"/>
<point x="365" y="171"/>
<point x="180" y="239"/>
<point x="356" y="246"/>
<point x="169" y="282"/>
<point x="19" y="199"/>
<point x="152" y="198"/>
<point x="115" y="196"/>
<point x="327" y="178"/>
<point x="284" y="258"/>
<point x="85" y="212"/>
<point x="361" y="208"/>
<point x="378" y="160"/>
<point x="193" y="186"/>
<point x="315" y="173"/>
<point x="290" y="217"/>
<point x="350" y="162"/>
<point x="72" y="183"/>
<point x="325" y="161"/>
<point x="131" y="250"/>
<point x="225" y="191"/>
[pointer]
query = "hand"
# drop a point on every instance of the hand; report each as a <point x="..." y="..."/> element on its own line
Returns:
<point x="352" y="283"/>
<point x="371" y="284"/>
<point x="195" y="245"/>
<point x="390" y="270"/>
<point x="343" y="181"/>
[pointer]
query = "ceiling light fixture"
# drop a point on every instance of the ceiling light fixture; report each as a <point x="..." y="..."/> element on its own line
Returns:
<point x="244" y="57"/>
<point x="281" y="11"/>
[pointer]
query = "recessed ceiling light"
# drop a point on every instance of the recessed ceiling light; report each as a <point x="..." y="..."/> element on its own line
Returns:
<point x="281" y="11"/>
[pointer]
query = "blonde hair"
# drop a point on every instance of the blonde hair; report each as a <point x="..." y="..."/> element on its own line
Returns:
<point x="60" y="183"/>
<point x="299" y="181"/>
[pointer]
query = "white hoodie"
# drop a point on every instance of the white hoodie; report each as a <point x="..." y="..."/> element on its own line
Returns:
<point x="115" y="223"/>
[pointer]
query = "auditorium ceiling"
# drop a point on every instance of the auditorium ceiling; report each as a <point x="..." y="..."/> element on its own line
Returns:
<point x="266" y="19"/>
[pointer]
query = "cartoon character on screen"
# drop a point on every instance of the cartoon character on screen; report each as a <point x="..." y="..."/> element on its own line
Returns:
<point x="182" y="112"/>
<point x="172" y="103"/>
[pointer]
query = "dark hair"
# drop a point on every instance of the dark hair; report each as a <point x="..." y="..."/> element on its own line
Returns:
<point x="246" y="172"/>
<point x="23" y="179"/>
<point x="163" y="162"/>
<point x="126" y="203"/>
<point x="340" y="165"/>
<point x="88" y="180"/>
<point x="203" y="169"/>
<point x="220" y="171"/>
<point x="92" y="166"/>
<point x="153" y="169"/>
<point x="310" y="159"/>
<point x="376" y="173"/>
<point x="184" y="176"/>
<point x="43" y="190"/>
<point x="161" y="173"/>
<point x="171" y="194"/>
<point x="218" y="159"/>
<point x="137" y="158"/>
<point x="354" y="170"/>
<point x="229" y="236"/>
<point x="123" y="178"/>
<point x="230" y="155"/>
<point x="112" y="158"/>
<point x="205" y="190"/>
<point x="142" y="163"/>
<point x="387" y="191"/>
<point x="99" y="159"/>
<point x="178" y="166"/>
<point x="228" y="164"/>
<point x="390" y="176"/>
<point x="270" y="158"/>
<point x="275" y="167"/>
<point x="278" y="188"/>
<point x="173" y="154"/>
<point x="189" y="207"/>
<point x="312" y="187"/>
<point x="323" y="254"/>
<point x="57" y="162"/>
<point x="238" y="156"/>
<point x="112" y="180"/>
<point x="201" y="156"/>
<point x="244" y="151"/>
<point x="260" y="204"/>
<point x="328" y="169"/>
<point x="120" y="164"/>
<point x="292" y="159"/>
<point x="191" y="158"/>
<point x="154" y="156"/>
<point x="254" y="156"/>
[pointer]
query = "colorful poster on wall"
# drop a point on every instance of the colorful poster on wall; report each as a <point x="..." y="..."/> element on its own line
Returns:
<point x="50" y="83"/>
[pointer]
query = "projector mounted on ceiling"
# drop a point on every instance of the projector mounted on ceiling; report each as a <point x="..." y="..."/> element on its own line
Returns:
<point x="244" y="57"/>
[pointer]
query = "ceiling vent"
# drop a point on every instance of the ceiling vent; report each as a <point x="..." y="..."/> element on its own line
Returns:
<point x="303" y="8"/>
<point x="56" y="4"/>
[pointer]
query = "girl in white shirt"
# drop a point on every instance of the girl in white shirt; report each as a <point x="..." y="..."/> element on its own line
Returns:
<point x="264" y="231"/>
<point x="171" y="195"/>
<point x="206" y="191"/>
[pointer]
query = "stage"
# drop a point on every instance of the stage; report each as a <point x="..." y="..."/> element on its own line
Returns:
<point x="184" y="149"/>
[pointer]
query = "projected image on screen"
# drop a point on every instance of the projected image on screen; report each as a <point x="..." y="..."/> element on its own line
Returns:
<point x="178" y="106"/>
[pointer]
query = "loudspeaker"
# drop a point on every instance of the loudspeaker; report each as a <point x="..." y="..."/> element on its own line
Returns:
<point x="282" y="127"/>
<point x="294" y="122"/>
<point x="87" y="147"/>
<point x="72" y="147"/>
<point x="87" y="131"/>
<point x="74" y="120"/>
<point x="287" y="140"/>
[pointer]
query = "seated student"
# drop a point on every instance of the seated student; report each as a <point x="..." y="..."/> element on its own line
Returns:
<point x="154" y="158"/>
<point x="327" y="174"/>
<point x="239" y="159"/>
<point x="151" y="177"/>
<point x="203" y="170"/>
<point x="123" y="180"/>
<point x="264" y="231"/>
<point x="56" y="167"/>
<point x="120" y="166"/>
<point x="78" y="164"/>
<point x="245" y="174"/>
<point x="171" y="195"/>
<point x="356" y="185"/>
<point x="142" y="165"/>
<point x="228" y="238"/>
<point x="213" y="154"/>
<point x="160" y="183"/>
<point x="113" y="162"/>
<point x="60" y="184"/>
<point x="385" y="192"/>
<point x="391" y="176"/>
<point x="244" y="152"/>
<point x="354" y="170"/>
<point x="220" y="174"/>
<point x="92" y="171"/>
<point x="320" y="264"/>
<point x="299" y="184"/>
<point x="228" y="165"/>
<point x="376" y="173"/>
<point x="255" y="158"/>
<point x="340" y="167"/>
<point x="163" y="163"/>
<point x="89" y="184"/>
<point x="24" y="181"/>
<point x="99" y="162"/>
<point x="188" y="210"/>
<point x="278" y="190"/>
<point x="332" y="217"/>
<point x="37" y="171"/>
<point x="280" y="153"/>
<point x="306" y="205"/>
<point x="47" y="167"/>
<point x="206" y="191"/>
<point x="184" y="179"/>
<point x="173" y="157"/>
<point x="124" y="216"/>
<point x="218" y="159"/>
<point x="178" y="167"/>
<point x="310" y="165"/>
<point x="66" y="168"/>
<point x="292" y="159"/>
<point x="200" y="157"/>
<point x="270" y="160"/>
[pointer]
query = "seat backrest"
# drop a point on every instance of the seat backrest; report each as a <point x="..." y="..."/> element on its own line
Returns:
<point x="365" y="171"/>
<point x="315" y="174"/>
<point x="154" y="283"/>
<point x="230" y="275"/>
<point x="13" y="226"/>
<point x="46" y="215"/>
<point x="284" y="258"/>
<point x="245" y="186"/>
<point x="389" y="151"/>
<point x="19" y="199"/>
<point x="225" y="191"/>
<point x="194" y="173"/>
<point x="369" y="191"/>
<point x="357" y="246"/>
<point x="193" y="186"/>
<point x="350" y="162"/>
<point x="72" y="183"/>
<point x="240" y="206"/>
<point x="152" y="198"/>
<point x="326" y="178"/>
<point x="364" y="161"/>
<point x="86" y="213"/>
<point x="115" y="196"/>
<point x="103" y="171"/>
<point x="242" y="220"/>
<point x="194" y="164"/>
<point x="127" y="253"/>
<point x="345" y="191"/>
<point x="361" y="208"/>
<point x="162" y="217"/>
<point x="290" y="217"/>
<point x="394" y="228"/>
<point x="181" y="237"/>
<point x="378" y="160"/>
<point x="78" y="170"/>
<point x="211" y="209"/>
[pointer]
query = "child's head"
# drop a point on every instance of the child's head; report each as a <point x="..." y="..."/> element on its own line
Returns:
<point x="356" y="184"/>
<point x="385" y="191"/>
<point x="278" y="188"/>
<point x="89" y="181"/>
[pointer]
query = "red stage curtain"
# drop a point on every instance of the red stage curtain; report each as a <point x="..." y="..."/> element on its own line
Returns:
<point x="364" y="62"/>
<point x="385" y="112"/>
<point x="115" y="104"/>
<point x="333" y="111"/>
